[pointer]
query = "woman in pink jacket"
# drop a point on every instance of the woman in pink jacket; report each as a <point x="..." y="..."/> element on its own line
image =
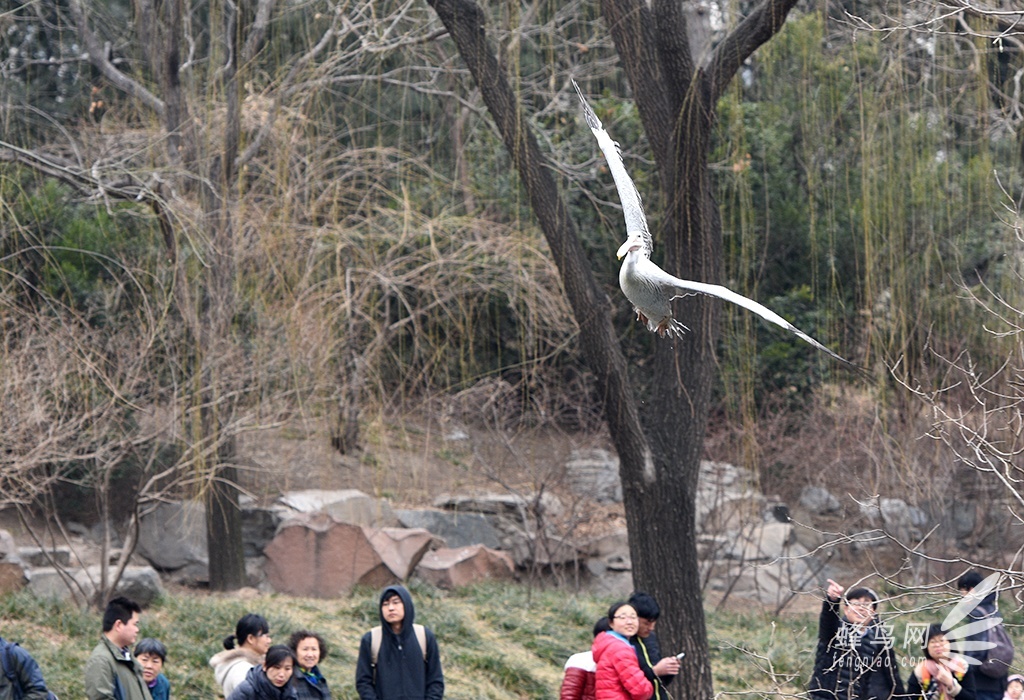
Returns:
<point x="618" y="672"/>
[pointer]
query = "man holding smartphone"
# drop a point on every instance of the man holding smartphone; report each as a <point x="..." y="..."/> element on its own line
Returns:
<point x="659" y="671"/>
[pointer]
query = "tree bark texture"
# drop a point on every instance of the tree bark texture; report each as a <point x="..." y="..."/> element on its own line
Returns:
<point x="224" y="525"/>
<point x="676" y="100"/>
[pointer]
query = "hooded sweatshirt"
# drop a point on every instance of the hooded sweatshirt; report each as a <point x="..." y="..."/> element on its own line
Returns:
<point x="231" y="666"/>
<point x="401" y="672"/>
<point x="986" y="686"/>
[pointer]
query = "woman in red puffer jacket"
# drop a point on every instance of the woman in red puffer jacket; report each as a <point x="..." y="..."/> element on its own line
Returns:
<point x="618" y="672"/>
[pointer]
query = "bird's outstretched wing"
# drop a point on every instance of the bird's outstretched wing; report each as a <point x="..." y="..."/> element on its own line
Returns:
<point x="676" y="287"/>
<point x="632" y="207"/>
<point x="646" y="285"/>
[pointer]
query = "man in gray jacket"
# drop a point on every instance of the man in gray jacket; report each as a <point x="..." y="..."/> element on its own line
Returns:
<point x="112" y="673"/>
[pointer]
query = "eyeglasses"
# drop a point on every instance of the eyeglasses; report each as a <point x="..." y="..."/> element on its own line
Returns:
<point x="627" y="618"/>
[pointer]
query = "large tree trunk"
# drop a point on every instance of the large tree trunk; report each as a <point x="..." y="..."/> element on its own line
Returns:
<point x="224" y="528"/>
<point x="676" y="101"/>
<point x="207" y="303"/>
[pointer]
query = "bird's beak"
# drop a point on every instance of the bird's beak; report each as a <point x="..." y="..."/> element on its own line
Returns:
<point x="629" y="245"/>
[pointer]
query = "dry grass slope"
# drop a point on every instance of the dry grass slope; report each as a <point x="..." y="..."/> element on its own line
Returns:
<point x="497" y="642"/>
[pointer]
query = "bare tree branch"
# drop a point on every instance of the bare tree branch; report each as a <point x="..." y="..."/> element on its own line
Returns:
<point x="98" y="57"/>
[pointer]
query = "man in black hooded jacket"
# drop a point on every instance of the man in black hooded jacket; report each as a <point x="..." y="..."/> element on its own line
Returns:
<point x="855" y="659"/>
<point x="986" y="687"/>
<point x="393" y="663"/>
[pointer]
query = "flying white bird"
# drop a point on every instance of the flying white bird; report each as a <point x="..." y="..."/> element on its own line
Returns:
<point x="649" y="288"/>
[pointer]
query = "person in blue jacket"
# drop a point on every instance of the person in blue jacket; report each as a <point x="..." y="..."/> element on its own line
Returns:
<point x="152" y="654"/>
<point x="394" y="664"/>
<point x="21" y="676"/>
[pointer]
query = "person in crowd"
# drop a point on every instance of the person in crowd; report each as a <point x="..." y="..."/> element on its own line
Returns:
<point x="20" y="677"/>
<point x="940" y="675"/>
<point x="243" y="651"/>
<point x="1014" y="687"/>
<point x="659" y="671"/>
<point x="310" y="649"/>
<point x="580" y="671"/>
<point x="854" y="659"/>
<point x="269" y="680"/>
<point x="986" y="687"/>
<point x="399" y="660"/>
<point x="152" y="654"/>
<point x="618" y="675"/>
<point x="112" y="673"/>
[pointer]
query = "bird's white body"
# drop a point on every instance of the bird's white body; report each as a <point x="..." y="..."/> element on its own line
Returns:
<point x="643" y="283"/>
<point x="649" y="288"/>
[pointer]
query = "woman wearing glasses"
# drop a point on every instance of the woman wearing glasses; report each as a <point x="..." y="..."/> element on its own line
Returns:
<point x="618" y="672"/>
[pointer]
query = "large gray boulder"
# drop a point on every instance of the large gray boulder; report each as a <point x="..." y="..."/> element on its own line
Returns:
<point x="818" y="500"/>
<point x="455" y="528"/>
<point x="48" y="583"/>
<point x="506" y="505"/>
<point x="594" y="474"/>
<point x="172" y="536"/>
<point x="719" y="485"/>
<point x="608" y="552"/>
<point x="764" y="542"/>
<point x="895" y="516"/>
<point x="770" y="583"/>
<point x="529" y="550"/>
<point x="37" y="556"/>
<point x="140" y="583"/>
<point x="345" y="506"/>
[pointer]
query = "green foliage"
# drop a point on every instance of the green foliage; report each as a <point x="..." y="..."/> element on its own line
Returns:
<point x="98" y="263"/>
<point x="851" y="179"/>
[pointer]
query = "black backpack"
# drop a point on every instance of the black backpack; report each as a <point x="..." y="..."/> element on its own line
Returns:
<point x="7" y="661"/>
<point x="998" y="659"/>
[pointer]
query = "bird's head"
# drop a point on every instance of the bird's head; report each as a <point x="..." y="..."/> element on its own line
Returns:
<point x="634" y="242"/>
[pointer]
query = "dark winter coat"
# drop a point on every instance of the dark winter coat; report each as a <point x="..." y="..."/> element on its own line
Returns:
<point x="25" y="671"/>
<point x="257" y="686"/>
<point x="851" y="666"/>
<point x="618" y="671"/>
<point x="648" y="653"/>
<point x="402" y="672"/>
<point x="311" y="686"/>
<point x="987" y="687"/>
